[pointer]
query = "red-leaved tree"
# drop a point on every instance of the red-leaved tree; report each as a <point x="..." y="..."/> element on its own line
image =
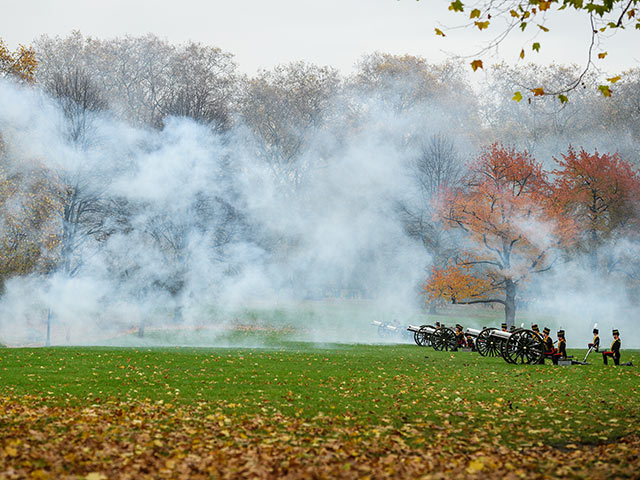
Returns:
<point x="513" y="227"/>
<point x="601" y="192"/>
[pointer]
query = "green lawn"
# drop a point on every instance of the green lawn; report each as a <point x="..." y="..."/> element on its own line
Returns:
<point x="375" y="385"/>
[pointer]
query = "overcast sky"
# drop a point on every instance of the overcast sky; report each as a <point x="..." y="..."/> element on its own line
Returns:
<point x="263" y="33"/>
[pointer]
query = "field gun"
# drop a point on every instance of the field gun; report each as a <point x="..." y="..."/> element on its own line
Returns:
<point x="520" y="346"/>
<point x="440" y="338"/>
<point x="422" y="334"/>
<point x="444" y="339"/>
<point x="385" y="329"/>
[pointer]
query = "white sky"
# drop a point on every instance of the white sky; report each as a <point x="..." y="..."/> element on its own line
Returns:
<point x="263" y="33"/>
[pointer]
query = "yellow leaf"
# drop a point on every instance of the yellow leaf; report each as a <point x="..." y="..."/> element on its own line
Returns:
<point x="476" y="64"/>
<point x="440" y="32"/>
<point x="522" y="53"/>
<point x="614" y="79"/>
<point x="11" y="452"/>
<point x="602" y="55"/>
<point x="482" y="25"/>
<point x="517" y="96"/>
<point x="543" y="28"/>
<point x="475" y="13"/>
<point x="475" y="466"/>
<point x="96" y="476"/>
<point x="538" y="92"/>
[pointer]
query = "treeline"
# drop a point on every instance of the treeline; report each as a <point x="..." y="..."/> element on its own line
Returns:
<point x="296" y="122"/>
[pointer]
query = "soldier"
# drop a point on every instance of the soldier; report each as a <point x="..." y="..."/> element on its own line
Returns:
<point x="562" y="345"/>
<point x="512" y="328"/>
<point x="615" y="349"/>
<point x="595" y="344"/>
<point x="536" y="329"/>
<point x="504" y="327"/>
<point x="548" y="341"/>
<point x="460" y="338"/>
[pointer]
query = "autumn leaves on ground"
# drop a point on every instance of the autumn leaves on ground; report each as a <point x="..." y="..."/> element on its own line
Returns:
<point x="305" y="412"/>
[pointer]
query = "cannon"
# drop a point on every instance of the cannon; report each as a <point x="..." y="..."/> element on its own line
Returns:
<point x="422" y="334"/>
<point x="443" y="338"/>
<point x="488" y="345"/>
<point x="385" y="329"/>
<point x="389" y="329"/>
<point x="520" y="346"/>
<point x="472" y="333"/>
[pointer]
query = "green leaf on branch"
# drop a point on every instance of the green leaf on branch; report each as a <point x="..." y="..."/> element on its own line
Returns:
<point x="535" y="46"/>
<point x="456" y="6"/>
<point x="605" y="90"/>
<point x="563" y="98"/>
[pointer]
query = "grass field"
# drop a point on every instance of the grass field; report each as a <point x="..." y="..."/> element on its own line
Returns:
<point x="303" y="411"/>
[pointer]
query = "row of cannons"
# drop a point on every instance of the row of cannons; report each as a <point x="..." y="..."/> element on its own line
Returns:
<point x="518" y="346"/>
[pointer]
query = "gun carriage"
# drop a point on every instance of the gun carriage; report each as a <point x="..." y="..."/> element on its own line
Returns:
<point x="520" y="346"/>
<point x="489" y="345"/>
<point x="422" y="334"/>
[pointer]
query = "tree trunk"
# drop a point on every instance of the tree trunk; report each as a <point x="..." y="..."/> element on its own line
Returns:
<point x="432" y="308"/>
<point x="510" y="303"/>
<point x="177" y="314"/>
<point x="141" y="328"/>
<point x="48" y="339"/>
<point x="593" y="254"/>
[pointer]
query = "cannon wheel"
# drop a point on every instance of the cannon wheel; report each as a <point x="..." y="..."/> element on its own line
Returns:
<point x="444" y="339"/>
<point x="524" y="346"/>
<point x="506" y="354"/>
<point x="488" y="347"/>
<point x="422" y="337"/>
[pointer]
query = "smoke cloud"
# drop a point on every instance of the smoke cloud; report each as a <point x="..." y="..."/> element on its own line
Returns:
<point x="189" y="231"/>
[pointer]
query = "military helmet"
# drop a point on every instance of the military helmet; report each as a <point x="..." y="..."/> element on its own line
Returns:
<point x="616" y="332"/>
<point x="546" y="330"/>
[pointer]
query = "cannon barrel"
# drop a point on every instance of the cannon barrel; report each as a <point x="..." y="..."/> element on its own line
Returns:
<point x="413" y="328"/>
<point x="472" y="332"/>
<point x="500" y="334"/>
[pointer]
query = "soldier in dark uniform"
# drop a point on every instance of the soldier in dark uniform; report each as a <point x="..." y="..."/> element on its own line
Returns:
<point x="504" y="327"/>
<point x="460" y="338"/>
<point x="512" y="328"/>
<point x="595" y="344"/>
<point x="470" y="342"/>
<point x="615" y="349"/>
<point x="548" y="341"/>
<point x="536" y="330"/>
<point x="562" y="345"/>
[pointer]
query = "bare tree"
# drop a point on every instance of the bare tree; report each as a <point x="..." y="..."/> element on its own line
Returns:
<point x="436" y="166"/>
<point x="286" y="109"/>
<point x="203" y="86"/>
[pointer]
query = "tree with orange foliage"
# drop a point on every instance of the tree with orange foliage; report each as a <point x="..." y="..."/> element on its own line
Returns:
<point x="20" y="64"/>
<point x="513" y="227"/>
<point x="30" y="234"/>
<point x="601" y="192"/>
